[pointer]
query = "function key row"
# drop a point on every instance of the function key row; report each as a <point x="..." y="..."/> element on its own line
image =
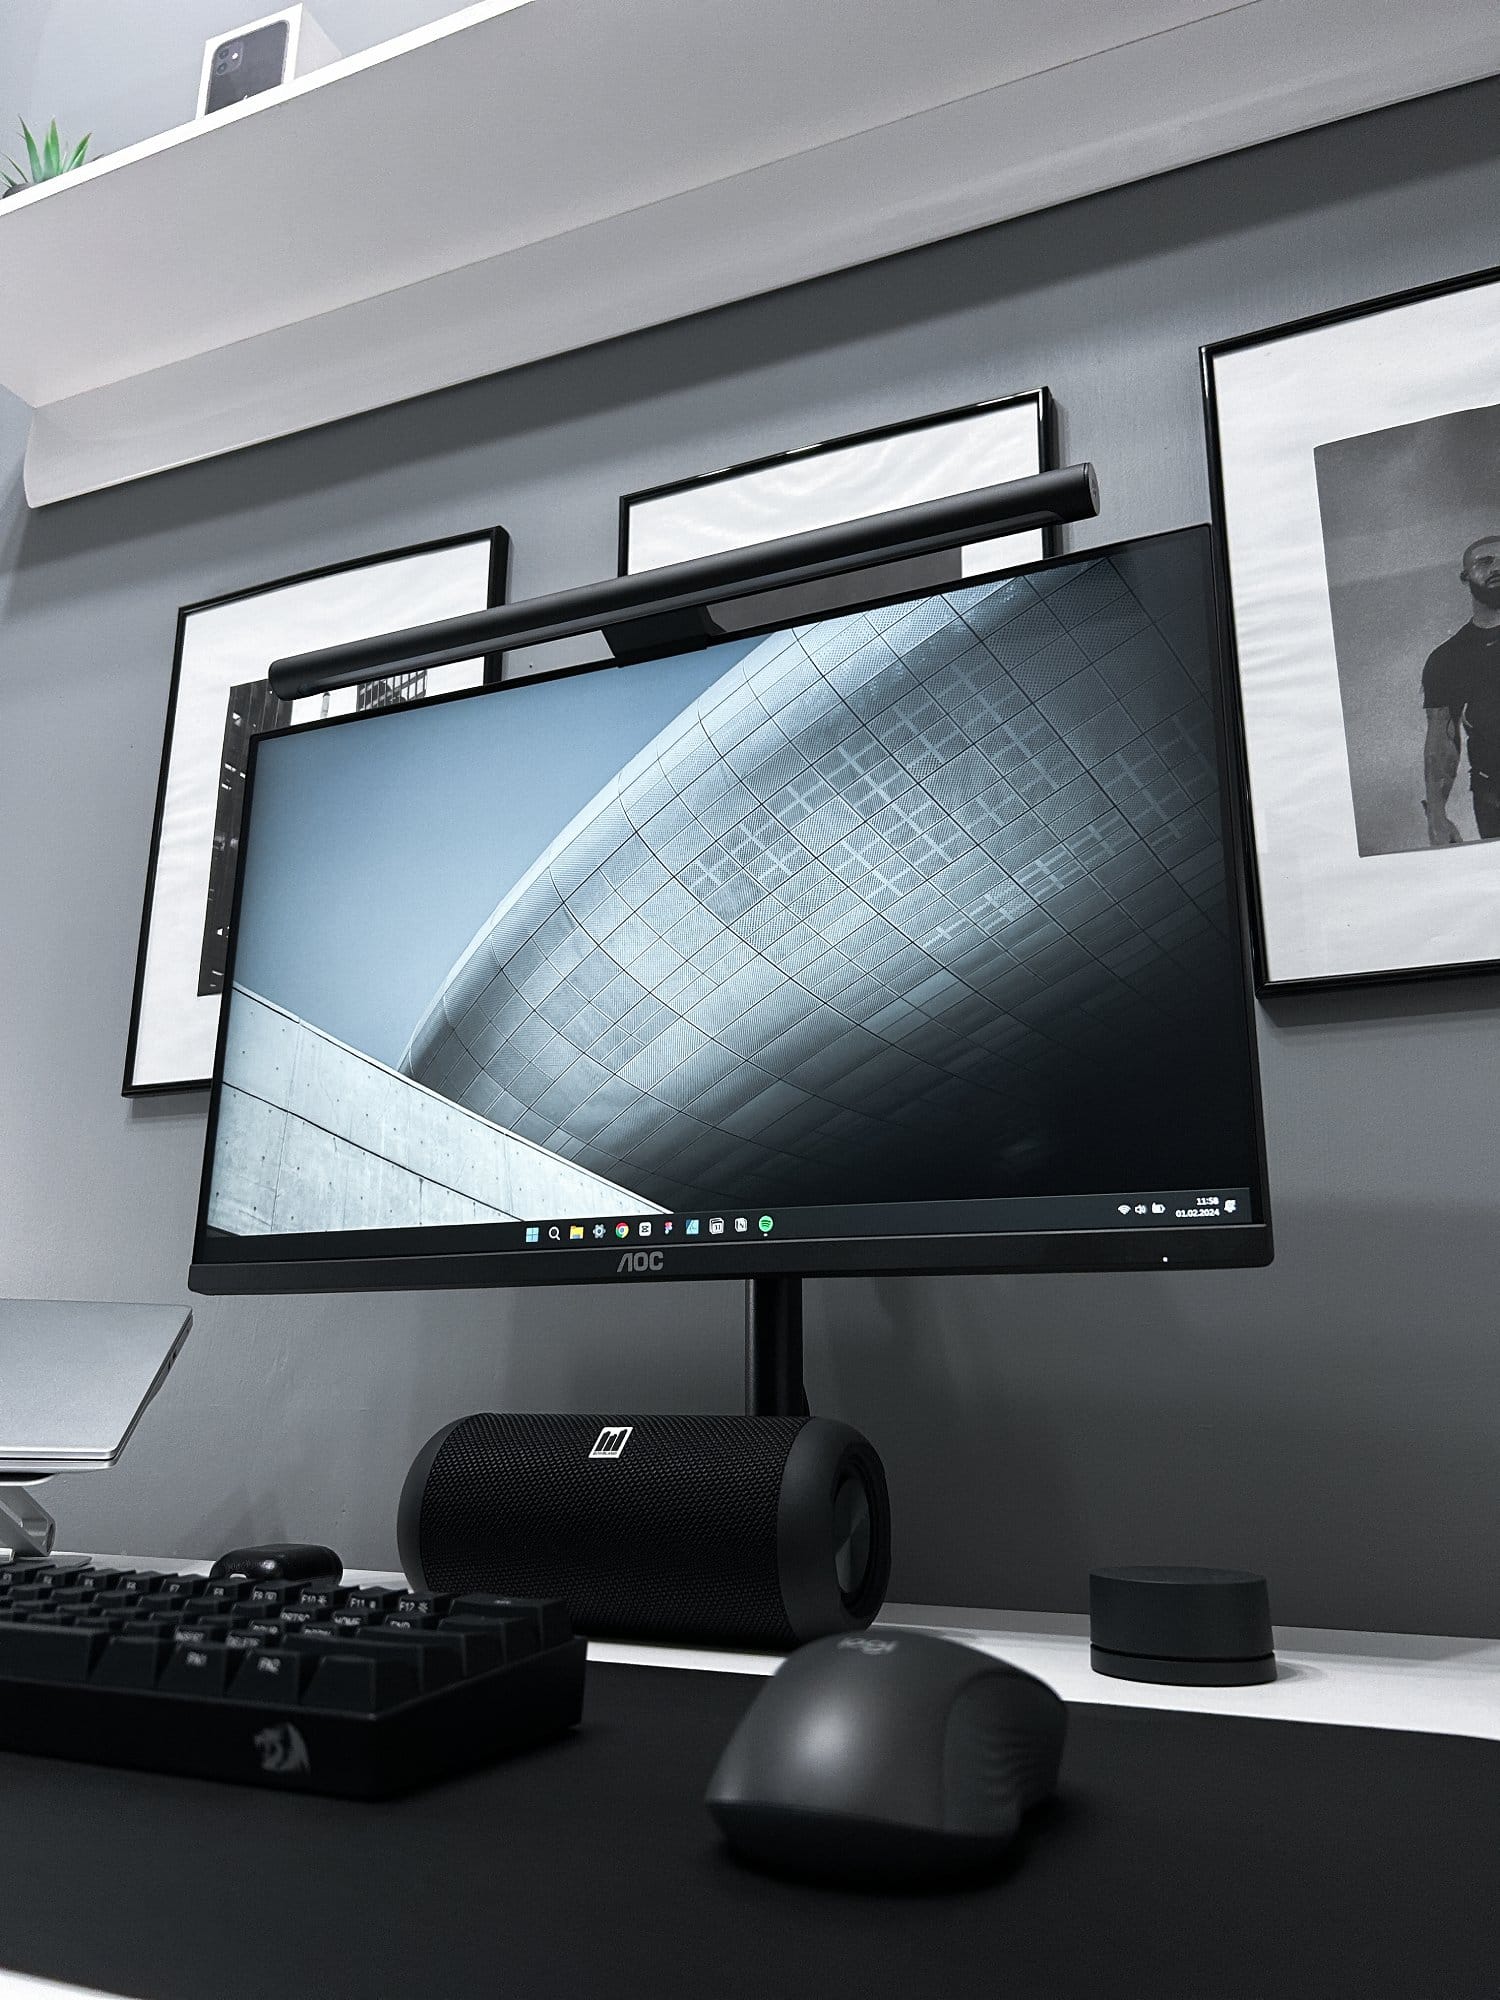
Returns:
<point x="22" y="1588"/>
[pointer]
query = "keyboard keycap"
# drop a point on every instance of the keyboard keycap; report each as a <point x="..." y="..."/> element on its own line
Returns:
<point x="439" y="1661"/>
<point x="361" y="1682"/>
<point x="276" y="1593"/>
<point x="38" y="1652"/>
<point x="159" y="1603"/>
<point x="92" y="1581"/>
<point x="548" y="1615"/>
<point x="128" y="1662"/>
<point x="198" y="1670"/>
<point x="373" y="1600"/>
<point x="226" y="1589"/>
<point x="518" y="1635"/>
<point x="203" y="1631"/>
<point x="274" y="1676"/>
<point x="325" y="1596"/>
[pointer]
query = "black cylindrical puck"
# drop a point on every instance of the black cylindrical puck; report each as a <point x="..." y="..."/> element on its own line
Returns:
<point x="1181" y="1626"/>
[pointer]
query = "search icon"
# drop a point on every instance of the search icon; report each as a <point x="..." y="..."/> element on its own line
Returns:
<point x="555" y="1234"/>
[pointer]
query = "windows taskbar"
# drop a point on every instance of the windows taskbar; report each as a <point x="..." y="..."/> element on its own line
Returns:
<point x="1124" y="1209"/>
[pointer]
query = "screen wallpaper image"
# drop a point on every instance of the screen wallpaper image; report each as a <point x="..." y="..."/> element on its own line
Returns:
<point x="923" y="903"/>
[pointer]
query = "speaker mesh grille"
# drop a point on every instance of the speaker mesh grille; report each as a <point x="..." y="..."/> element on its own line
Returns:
<point x="675" y="1538"/>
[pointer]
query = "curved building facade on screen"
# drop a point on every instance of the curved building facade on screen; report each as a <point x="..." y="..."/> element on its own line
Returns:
<point x="929" y="885"/>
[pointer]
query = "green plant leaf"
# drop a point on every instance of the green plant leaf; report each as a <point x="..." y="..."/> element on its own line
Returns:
<point x="47" y="160"/>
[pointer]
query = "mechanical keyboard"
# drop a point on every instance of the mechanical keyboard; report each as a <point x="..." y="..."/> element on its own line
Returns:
<point x="313" y="1687"/>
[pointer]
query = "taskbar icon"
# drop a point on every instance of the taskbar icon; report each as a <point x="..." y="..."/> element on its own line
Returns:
<point x="647" y="1227"/>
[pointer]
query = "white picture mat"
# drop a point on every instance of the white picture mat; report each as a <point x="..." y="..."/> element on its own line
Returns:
<point x="225" y="646"/>
<point x="1327" y="911"/>
<point x="826" y="485"/>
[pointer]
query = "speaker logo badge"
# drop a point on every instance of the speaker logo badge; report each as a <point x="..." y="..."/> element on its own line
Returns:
<point x="871" y="1648"/>
<point x="636" y="1261"/>
<point x="611" y="1441"/>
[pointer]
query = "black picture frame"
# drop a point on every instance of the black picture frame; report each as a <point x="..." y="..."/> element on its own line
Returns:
<point x="946" y="568"/>
<point x="169" y="1044"/>
<point x="1367" y="427"/>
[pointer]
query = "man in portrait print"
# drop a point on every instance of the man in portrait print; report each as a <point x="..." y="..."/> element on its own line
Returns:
<point x="1461" y="694"/>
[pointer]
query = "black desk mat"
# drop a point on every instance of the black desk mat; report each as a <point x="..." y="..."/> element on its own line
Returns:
<point x="1199" y="1856"/>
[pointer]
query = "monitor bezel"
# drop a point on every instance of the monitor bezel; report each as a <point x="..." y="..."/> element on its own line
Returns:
<point x="438" y="1259"/>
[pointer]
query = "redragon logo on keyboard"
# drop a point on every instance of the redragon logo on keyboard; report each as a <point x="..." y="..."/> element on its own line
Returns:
<point x="282" y="1751"/>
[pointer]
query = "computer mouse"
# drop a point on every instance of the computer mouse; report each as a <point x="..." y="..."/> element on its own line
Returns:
<point x="282" y="1562"/>
<point x="888" y="1759"/>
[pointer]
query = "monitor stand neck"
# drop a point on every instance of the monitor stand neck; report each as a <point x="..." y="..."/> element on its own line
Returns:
<point x="773" y="1348"/>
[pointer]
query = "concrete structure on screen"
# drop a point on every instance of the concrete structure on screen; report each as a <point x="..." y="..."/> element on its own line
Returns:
<point x="893" y="872"/>
<point x="314" y="1136"/>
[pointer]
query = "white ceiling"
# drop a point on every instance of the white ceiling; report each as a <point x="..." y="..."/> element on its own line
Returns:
<point x="532" y="175"/>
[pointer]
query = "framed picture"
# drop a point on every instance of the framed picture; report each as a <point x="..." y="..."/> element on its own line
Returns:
<point x="220" y="698"/>
<point x="1356" y="467"/>
<point x="815" y="486"/>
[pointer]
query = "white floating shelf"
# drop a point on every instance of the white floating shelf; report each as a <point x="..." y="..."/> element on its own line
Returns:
<point x="528" y="176"/>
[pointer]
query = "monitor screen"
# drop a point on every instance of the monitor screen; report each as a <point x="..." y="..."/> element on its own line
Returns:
<point x="909" y="938"/>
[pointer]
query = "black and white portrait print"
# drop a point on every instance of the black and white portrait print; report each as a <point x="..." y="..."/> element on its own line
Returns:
<point x="1411" y="540"/>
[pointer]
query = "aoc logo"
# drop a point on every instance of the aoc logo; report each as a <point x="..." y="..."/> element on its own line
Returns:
<point x="611" y="1441"/>
<point x="636" y="1261"/>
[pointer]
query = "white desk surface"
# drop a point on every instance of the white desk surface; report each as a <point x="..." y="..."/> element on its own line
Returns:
<point x="1369" y="1680"/>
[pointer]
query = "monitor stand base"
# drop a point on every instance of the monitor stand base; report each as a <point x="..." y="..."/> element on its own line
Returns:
<point x="773" y="1348"/>
<point x="27" y="1530"/>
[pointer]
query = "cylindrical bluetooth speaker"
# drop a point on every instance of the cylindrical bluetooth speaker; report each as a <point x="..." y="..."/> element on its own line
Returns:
<point x="730" y="1531"/>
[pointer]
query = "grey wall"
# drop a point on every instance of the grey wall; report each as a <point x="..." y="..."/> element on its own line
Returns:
<point x="1334" y="1419"/>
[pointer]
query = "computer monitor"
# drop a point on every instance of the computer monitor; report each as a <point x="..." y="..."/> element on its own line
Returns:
<point x="910" y="939"/>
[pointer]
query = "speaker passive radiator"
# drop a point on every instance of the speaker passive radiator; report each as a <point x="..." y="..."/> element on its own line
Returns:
<point x="738" y="1531"/>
